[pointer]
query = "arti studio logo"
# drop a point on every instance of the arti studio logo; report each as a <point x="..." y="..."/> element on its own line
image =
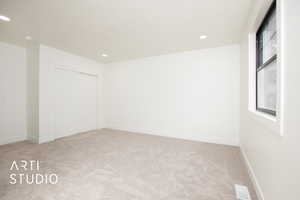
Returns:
<point x="27" y="172"/>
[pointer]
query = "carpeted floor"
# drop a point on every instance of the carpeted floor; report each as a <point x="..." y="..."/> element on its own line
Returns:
<point x="117" y="165"/>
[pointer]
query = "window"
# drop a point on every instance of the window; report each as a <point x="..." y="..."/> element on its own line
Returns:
<point x="266" y="63"/>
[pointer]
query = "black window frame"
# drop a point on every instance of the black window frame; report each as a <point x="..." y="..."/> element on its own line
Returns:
<point x="259" y="64"/>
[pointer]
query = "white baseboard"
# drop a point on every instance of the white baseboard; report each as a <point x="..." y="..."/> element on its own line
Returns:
<point x="166" y="134"/>
<point x="253" y="178"/>
<point x="12" y="140"/>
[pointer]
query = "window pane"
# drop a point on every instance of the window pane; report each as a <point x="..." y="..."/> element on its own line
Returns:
<point x="266" y="87"/>
<point x="267" y="39"/>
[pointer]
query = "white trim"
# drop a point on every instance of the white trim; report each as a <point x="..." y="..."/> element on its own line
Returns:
<point x="281" y="64"/>
<point x="65" y="68"/>
<point x="167" y="134"/>
<point x="271" y="122"/>
<point x="252" y="176"/>
<point x="13" y="140"/>
<point x="252" y="71"/>
<point x="264" y="116"/>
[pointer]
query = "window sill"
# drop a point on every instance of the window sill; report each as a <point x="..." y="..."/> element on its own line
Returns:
<point x="264" y="115"/>
<point x="269" y="121"/>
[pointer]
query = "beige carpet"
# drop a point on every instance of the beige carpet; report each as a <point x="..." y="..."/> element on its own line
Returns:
<point x="118" y="165"/>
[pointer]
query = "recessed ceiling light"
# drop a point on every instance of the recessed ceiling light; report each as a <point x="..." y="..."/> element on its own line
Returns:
<point x="4" y="18"/>
<point x="202" y="37"/>
<point x="104" y="55"/>
<point x="28" y="38"/>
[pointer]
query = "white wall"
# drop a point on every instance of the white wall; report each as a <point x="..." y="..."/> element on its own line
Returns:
<point x="192" y="95"/>
<point x="12" y="93"/>
<point x="50" y="59"/>
<point x="274" y="159"/>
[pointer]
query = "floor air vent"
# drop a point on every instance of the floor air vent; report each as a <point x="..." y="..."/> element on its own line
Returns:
<point x="242" y="192"/>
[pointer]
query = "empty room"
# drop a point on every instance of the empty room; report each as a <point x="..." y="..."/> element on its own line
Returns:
<point x="149" y="100"/>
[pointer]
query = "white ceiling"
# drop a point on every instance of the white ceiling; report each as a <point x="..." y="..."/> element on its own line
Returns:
<point x="124" y="29"/>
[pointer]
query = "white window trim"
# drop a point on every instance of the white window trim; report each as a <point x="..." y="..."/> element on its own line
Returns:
<point x="275" y="123"/>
